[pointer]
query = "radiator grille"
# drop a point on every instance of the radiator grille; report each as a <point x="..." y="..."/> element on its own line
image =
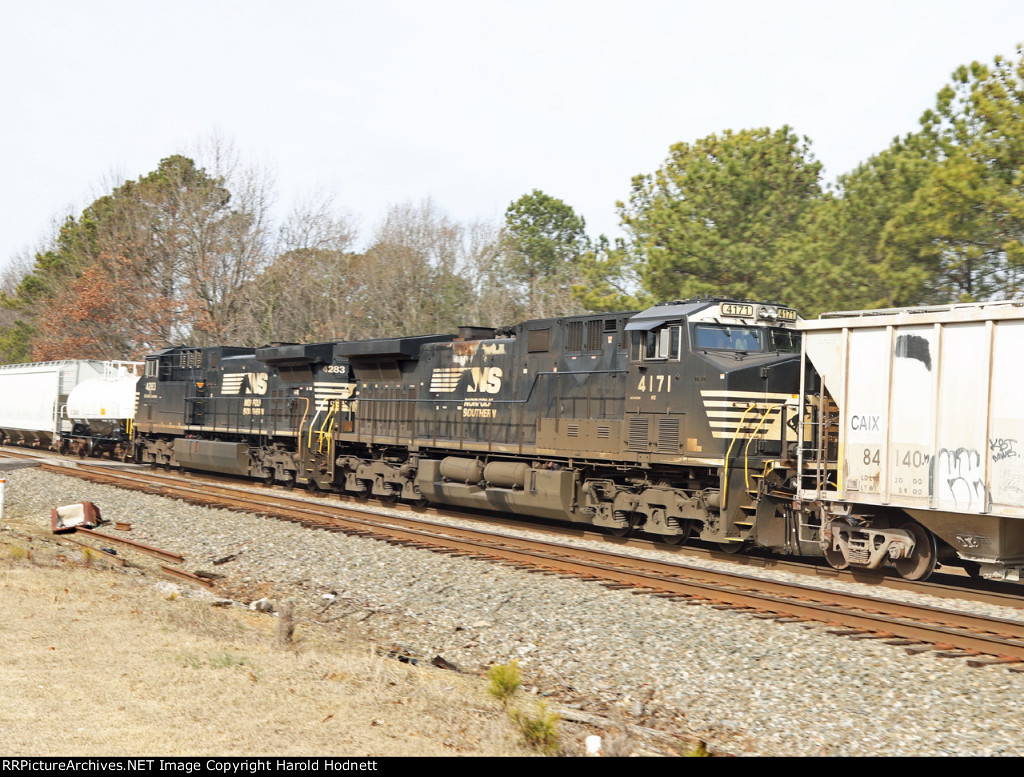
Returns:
<point x="638" y="434"/>
<point x="668" y="435"/>
<point x="574" y="336"/>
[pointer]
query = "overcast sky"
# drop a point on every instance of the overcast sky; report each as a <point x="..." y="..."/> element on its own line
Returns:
<point x="469" y="103"/>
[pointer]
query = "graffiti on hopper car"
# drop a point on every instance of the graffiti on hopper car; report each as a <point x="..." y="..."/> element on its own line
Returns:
<point x="1002" y="448"/>
<point x="959" y="476"/>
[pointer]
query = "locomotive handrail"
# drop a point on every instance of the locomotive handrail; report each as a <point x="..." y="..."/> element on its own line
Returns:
<point x="746" y="451"/>
<point x="728" y="453"/>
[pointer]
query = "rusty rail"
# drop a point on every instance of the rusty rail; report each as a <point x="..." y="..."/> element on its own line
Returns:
<point x="166" y="555"/>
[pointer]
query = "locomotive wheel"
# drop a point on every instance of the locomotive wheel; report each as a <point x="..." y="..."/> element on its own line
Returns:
<point x="922" y="561"/>
<point x="731" y="547"/>
<point x="624" y="531"/>
<point x="681" y="538"/>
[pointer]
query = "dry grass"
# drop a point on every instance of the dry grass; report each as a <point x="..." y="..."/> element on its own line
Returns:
<point x="96" y="662"/>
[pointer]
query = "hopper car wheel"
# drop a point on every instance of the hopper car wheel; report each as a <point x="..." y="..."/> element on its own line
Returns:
<point x="268" y="477"/>
<point x="922" y="562"/>
<point x="312" y="486"/>
<point x="836" y="558"/>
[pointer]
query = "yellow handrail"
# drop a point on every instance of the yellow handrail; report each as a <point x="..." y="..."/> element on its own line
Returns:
<point x="728" y="453"/>
<point x="746" y="451"/>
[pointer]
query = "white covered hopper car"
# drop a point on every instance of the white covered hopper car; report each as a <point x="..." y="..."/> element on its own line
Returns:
<point x="912" y="446"/>
<point x="75" y="406"/>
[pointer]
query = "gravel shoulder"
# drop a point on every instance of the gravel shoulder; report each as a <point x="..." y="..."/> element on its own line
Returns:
<point x="745" y="686"/>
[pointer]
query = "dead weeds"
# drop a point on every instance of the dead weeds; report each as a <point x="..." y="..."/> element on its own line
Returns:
<point x="100" y="663"/>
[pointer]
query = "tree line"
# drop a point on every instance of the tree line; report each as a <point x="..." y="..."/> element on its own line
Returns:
<point x="188" y="254"/>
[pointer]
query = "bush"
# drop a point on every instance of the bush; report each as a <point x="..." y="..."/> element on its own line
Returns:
<point x="699" y="750"/>
<point x="505" y="681"/>
<point x="538" y="732"/>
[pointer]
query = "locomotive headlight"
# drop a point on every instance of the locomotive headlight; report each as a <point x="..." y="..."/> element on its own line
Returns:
<point x="765" y="311"/>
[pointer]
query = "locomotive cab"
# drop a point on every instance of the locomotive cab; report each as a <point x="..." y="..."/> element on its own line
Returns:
<point x="711" y="403"/>
<point x="721" y="368"/>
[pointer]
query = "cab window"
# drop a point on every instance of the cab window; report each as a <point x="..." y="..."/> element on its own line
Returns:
<point x="729" y="338"/>
<point x="657" y="344"/>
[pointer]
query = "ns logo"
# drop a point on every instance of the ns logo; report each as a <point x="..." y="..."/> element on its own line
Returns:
<point x="256" y="382"/>
<point x="485" y="380"/>
<point x="482" y="380"/>
<point x="245" y="383"/>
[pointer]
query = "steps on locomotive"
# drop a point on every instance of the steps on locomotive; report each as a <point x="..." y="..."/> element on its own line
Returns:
<point x="750" y="509"/>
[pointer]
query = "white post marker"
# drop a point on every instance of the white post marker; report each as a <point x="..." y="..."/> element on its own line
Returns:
<point x="3" y="484"/>
<point x="593" y="745"/>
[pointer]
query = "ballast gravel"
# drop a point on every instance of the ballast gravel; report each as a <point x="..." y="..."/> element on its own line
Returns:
<point x="747" y="687"/>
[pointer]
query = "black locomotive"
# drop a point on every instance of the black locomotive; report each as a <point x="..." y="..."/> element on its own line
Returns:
<point x="677" y="420"/>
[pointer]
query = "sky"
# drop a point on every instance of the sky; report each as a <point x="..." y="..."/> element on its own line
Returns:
<point x="469" y="103"/>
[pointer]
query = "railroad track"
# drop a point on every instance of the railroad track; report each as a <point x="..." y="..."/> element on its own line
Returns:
<point x="982" y="640"/>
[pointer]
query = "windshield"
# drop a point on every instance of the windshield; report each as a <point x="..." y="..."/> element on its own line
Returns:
<point x="729" y="338"/>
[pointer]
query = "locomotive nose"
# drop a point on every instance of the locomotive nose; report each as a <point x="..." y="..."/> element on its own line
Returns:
<point x="782" y="377"/>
